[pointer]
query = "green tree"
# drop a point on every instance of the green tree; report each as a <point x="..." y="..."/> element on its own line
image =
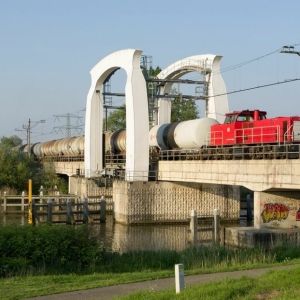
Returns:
<point x="50" y="179"/>
<point x="10" y="142"/>
<point x="183" y="110"/>
<point x="17" y="167"/>
<point x="117" y="119"/>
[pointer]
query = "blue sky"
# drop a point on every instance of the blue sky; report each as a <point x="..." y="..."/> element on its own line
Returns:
<point x="48" y="47"/>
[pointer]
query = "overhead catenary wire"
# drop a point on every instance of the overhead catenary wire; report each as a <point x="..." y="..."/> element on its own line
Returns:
<point x="241" y="64"/>
<point x="255" y="87"/>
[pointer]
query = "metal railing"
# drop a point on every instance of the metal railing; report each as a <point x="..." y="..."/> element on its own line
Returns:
<point x="278" y="151"/>
<point x="62" y="158"/>
<point x="115" y="159"/>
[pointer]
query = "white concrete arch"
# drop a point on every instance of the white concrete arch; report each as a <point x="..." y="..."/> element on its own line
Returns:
<point x="137" y="127"/>
<point x="216" y="107"/>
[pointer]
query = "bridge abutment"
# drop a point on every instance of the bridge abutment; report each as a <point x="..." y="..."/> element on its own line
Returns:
<point x="280" y="209"/>
<point x="165" y="202"/>
<point x="276" y="221"/>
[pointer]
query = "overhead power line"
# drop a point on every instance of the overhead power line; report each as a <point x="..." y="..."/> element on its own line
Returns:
<point x="241" y="64"/>
<point x="256" y="87"/>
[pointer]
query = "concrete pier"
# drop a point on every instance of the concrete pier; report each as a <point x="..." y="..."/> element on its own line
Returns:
<point x="165" y="202"/>
<point x="251" y="237"/>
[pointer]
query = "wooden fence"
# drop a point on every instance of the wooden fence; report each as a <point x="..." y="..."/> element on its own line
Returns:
<point x="68" y="209"/>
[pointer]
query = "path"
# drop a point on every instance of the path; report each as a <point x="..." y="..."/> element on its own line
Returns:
<point x="107" y="293"/>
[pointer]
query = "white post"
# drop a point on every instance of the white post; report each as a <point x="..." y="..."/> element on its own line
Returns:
<point x="4" y="202"/>
<point x="23" y="202"/>
<point x="41" y="197"/>
<point x="179" y="278"/>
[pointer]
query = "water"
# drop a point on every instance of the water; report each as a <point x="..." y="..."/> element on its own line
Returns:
<point x="123" y="238"/>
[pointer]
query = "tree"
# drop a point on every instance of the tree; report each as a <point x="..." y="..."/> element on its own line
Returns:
<point x="117" y="119"/>
<point x="183" y="110"/>
<point x="10" y="142"/>
<point x="50" y="179"/>
<point x="16" y="168"/>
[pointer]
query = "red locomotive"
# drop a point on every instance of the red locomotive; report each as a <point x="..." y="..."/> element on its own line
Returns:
<point x="249" y="127"/>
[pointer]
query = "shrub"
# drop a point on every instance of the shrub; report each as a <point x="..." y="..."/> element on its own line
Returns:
<point x="46" y="248"/>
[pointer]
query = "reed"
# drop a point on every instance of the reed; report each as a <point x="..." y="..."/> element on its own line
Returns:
<point x="64" y="249"/>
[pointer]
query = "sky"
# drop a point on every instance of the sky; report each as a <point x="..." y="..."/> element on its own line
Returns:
<point x="47" y="48"/>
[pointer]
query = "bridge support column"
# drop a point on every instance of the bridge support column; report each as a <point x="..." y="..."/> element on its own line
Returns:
<point x="277" y="209"/>
<point x="165" y="202"/>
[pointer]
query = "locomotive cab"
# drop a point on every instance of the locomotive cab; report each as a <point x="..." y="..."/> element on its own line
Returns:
<point x="245" y="116"/>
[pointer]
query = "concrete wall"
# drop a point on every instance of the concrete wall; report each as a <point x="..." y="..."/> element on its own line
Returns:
<point x="87" y="187"/>
<point x="69" y="167"/>
<point x="155" y="202"/>
<point x="277" y="209"/>
<point x="265" y="237"/>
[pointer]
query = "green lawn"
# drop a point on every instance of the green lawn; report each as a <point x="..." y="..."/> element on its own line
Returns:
<point x="30" y="286"/>
<point x="283" y="285"/>
<point x="21" y="287"/>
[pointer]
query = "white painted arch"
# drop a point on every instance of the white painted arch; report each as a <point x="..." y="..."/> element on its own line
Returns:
<point x="209" y="64"/>
<point x="137" y="125"/>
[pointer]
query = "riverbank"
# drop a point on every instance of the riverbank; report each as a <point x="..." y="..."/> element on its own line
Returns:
<point x="53" y="259"/>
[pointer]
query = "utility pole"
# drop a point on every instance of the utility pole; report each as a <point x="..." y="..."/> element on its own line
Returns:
<point x="27" y="128"/>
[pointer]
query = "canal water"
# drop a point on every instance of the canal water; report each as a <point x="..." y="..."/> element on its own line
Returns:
<point x="123" y="238"/>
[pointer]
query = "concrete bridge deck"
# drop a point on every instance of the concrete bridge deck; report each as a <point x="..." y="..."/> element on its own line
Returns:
<point x="257" y="175"/>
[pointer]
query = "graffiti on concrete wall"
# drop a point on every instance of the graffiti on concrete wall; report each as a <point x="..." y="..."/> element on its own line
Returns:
<point x="274" y="212"/>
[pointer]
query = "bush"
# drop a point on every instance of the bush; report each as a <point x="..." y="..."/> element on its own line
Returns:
<point x="46" y="248"/>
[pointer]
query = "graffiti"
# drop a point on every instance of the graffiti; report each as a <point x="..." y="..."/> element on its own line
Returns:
<point x="298" y="215"/>
<point x="274" y="212"/>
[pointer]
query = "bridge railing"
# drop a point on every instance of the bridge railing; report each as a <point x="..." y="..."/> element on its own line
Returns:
<point x="278" y="151"/>
<point x="62" y="158"/>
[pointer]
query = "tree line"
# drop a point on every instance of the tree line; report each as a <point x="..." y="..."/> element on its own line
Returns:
<point x="16" y="167"/>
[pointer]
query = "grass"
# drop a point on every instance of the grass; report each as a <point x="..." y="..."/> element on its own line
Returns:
<point x="21" y="287"/>
<point x="30" y="286"/>
<point x="283" y="285"/>
<point x="51" y="259"/>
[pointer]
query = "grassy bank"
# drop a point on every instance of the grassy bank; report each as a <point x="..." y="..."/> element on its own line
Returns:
<point x="48" y="250"/>
<point x="51" y="259"/>
<point x="284" y="285"/>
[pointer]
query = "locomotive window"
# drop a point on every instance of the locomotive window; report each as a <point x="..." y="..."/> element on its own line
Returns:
<point x="227" y="120"/>
<point x="230" y="119"/>
<point x="241" y="118"/>
<point x="245" y="118"/>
